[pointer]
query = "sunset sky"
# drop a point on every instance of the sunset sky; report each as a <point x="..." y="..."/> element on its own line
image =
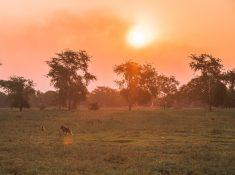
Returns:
<point x="161" y="32"/>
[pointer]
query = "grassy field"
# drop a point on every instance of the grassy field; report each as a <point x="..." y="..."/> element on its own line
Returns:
<point x="116" y="141"/>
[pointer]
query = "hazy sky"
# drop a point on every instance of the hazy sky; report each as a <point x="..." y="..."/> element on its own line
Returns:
<point x="31" y="31"/>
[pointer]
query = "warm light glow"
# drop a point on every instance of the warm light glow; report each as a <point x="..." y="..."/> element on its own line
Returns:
<point x="140" y="36"/>
<point x="67" y="140"/>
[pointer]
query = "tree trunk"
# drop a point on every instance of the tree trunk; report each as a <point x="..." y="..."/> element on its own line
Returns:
<point x="210" y="109"/>
<point x="130" y="107"/>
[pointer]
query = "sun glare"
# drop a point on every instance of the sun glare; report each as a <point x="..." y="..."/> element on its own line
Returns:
<point x="140" y="36"/>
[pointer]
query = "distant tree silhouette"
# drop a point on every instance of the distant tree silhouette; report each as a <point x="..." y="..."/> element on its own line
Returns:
<point x="3" y="100"/>
<point x="196" y="90"/>
<point x="148" y="83"/>
<point x="210" y="69"/>
<point x="229" y="79"/>
<point x="18" y="90"/>
<point x="144" y="98"/>
<point x="106" y="97"/>
<point x="192" y="93"/>
<point x="130" y="77"/>
<point x="46" y="99"/>
<point x="167" y="88"/>
<point x="50" y="98"/>
<point x="69" y="75"/>
<point x="141" y="84"/>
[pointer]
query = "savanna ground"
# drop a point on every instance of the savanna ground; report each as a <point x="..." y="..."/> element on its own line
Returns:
<point x="116" y="141"/>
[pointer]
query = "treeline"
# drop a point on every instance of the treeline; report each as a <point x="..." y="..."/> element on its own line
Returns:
<point x="138" y="85"/>
<point x="103" y="96"/>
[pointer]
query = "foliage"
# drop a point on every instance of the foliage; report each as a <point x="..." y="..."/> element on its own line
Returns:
<point x="46" y="99"/>
<point x="106" y="97"/>
<point x="197" y="89"/>
<point x="210" y="86"/>
<point x="149" y="79"/>
<point x="167" y="87"/>
<point x="69" y="75"/>
<point x="138" y="85"/>
<point x="144" y="97"/>
<point x="141" y="84"/>
<point x="18" y="90"/>
<point x="229" y="80"/>
<point x="94" y="106"/>
<point x="3" y="100"/>
<point x="130" y="77"/>
<point x="206" y="64"/>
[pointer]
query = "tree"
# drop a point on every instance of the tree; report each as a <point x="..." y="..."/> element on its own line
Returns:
<point x="192" y="93"/>
<point x="167" y="87"/>
<point x="144" y="97"/>
<point x="148" y="83"/>
<point x="50" y="98"/>
<point x="18" y="90"/>
<point x="69" y="75"/>
<point x="130" y="77"/>
<point x="210" y="69"/>
<point x="206" y="64"/>
<point x="106" y="97"/>
<point x="229" y="79"/>
<point x="3" y="100"/>
<point x="47" y="99"/>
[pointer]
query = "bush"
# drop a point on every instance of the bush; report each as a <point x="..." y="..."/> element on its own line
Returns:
<point x="94" y="106"/>
<point x="42" y="107"/>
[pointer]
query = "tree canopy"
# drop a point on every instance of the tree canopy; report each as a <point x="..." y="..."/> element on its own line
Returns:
<point x="70" y="76"/>
<point x="130" y="77"/>
<point x="18" y="90"/>
<point x="141" y="84"/>
<point x="106" y="97"/>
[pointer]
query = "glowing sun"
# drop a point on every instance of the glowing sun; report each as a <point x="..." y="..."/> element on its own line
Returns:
<point x="140" y="36"/>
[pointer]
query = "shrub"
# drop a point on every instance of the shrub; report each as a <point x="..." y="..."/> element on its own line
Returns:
<point x="42" y="107"/>
<point x="94" y="106"/>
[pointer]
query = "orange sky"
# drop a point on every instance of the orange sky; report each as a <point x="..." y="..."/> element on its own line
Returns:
<point x="31" y="31"/>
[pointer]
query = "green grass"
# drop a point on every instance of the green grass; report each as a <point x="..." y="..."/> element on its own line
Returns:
<point x="116" y="141"/>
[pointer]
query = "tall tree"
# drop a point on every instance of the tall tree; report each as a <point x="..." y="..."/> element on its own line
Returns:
<point x="70" y="76"/>
<point x="130" y="77"/>
<point x="210" y="69"/>
<point x="18" y="90"/>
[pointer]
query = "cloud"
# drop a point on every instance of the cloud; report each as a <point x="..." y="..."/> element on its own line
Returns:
<point x="100" y="33"/>
<point x="33" y="32"/>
